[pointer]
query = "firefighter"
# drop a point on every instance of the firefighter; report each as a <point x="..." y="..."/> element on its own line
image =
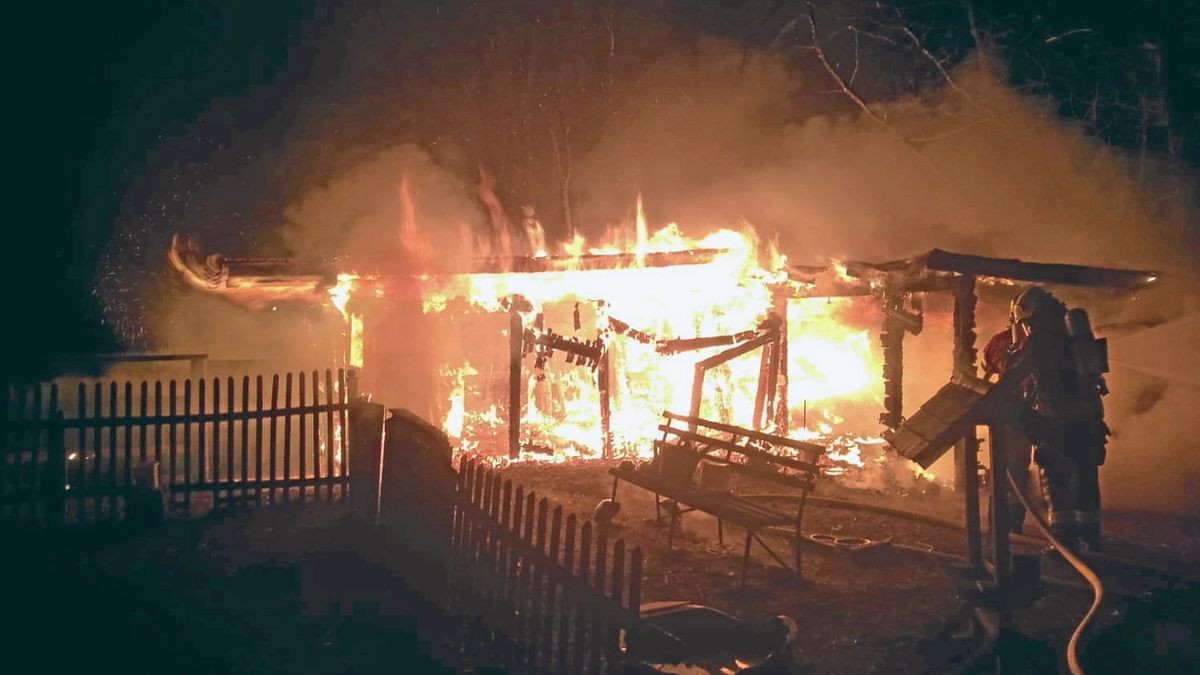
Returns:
<point x="996" y="357"/>
<point x="1055" y="364"/>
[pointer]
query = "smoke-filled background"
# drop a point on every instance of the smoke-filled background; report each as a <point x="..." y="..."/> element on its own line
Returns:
<point x="872" y="131"/>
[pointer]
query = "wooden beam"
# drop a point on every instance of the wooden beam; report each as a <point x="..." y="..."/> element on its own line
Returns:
<point x="1035" y="272"/>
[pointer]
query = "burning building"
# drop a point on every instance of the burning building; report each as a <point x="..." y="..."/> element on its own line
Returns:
<point x="575" y="353"/>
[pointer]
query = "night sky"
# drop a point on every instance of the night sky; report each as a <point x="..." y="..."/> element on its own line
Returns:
<point x="97" y="86"/>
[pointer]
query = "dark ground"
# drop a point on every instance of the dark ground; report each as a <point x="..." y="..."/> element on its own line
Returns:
<point x="293" y="589"/>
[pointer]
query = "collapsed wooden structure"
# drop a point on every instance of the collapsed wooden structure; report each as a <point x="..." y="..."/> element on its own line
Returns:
<point x="896" y="285"/>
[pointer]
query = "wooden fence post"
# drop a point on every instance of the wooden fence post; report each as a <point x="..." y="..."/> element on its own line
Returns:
<point x="55" y="481"/>
<point x="366" y="447"/>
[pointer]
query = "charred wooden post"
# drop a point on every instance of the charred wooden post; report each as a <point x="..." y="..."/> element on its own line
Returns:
<point x="965" y="358"/>
<point x="892" y="339"/>
<point x="1001" y="546"/>
<point x="782" y="415"/>
<point x="602" y="382"/>
<point x="516" y="335"/>
<point x="896" y="322"/>
<point x="760" y="393"/>
<point x="366" y="448"/>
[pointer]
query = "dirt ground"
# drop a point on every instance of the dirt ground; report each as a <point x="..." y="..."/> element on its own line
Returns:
<point x="303" y="589"/>
<point x="869" y="611"/>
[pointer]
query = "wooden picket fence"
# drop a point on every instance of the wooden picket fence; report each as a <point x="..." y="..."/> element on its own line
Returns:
<point x="536" y="592"/>
<point x="73" y="455"/>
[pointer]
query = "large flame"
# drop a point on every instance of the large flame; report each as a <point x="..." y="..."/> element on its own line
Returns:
<point x="833" y="360"/>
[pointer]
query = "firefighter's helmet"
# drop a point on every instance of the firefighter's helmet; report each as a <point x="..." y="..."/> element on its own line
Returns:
<point x="1028" y="303"/>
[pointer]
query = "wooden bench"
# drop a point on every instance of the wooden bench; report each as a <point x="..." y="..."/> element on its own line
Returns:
<point x="783" y="460"/>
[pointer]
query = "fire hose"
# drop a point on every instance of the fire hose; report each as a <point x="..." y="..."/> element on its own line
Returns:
<point x="1086" y="572"/>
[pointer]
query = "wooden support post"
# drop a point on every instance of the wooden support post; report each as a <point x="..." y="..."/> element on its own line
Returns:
<point x="760" y="393"/>
<point x="366" y="448"/>
<point x="1001" y="549"/>
<point x="772" y="350"/>
<point x="782" y="412"/>
<point x="516" y="335"/>
<point x="892" y="339"/>
<point x="697" y="393"/>
<point x="969" y="457"/>
<point x="602" y="382"/>
<point x="965" y="301"/>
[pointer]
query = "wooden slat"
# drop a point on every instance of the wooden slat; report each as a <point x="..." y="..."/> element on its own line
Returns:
<point x="81" y="479"/>
<point x="32" y="472"/>
<point x="597" y="631"/>
<point x="343" y="402"/>
<point x="187" y="441"/>
<point x="539" y="578"/>
<point x="127" y="474"/>
<point x="258" y="440"/>
<point x="98" y="449"/>
<point x="612" y="637"/>
<point x="582" y="617"/>
<point x="740" y="448"/>
<point x="316" y="431"/>
<point x="302" y="447"/>
<point x="216" y="441"/>
<point x="273" y="468"/>
<point x="550" y="603"/>
<point x="800" y="446"/>
<point x="287" y="434"/>
<point x="201" y="434"/>
<point x="143" y="402"/>
<point x="566" y="610"/>
<point x="329" y="440"/>
<point x="245" y="449"/>
<point x="230" y="435"/>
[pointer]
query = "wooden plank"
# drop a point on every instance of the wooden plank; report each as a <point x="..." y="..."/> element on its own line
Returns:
<point x="32" y="470"/>
<point x="127" y="474"/>
<point x="1035" y="272"/>
<point x="229" y="438"/>
<point x="584" y="573"/>
<point x="287" y="433"/>
<point x="97" y="448"/>
<point x="81" y="481"/>
<point x="597" y="631"/>
<point x="258" y="440"/>
<point x="539" y="579"/>
<point x="316" y="432"/>
<point x="612" y="637"/>
<point x="302" y="447"/>
<point x="245" y="449"/>
<point x="773" y="439"/>
<point x="566" y="608"/>
<point x="143" y="403"/>
<point x="344" y="400"/>
<point x="550" y="603"/>
<point x="741" y="449"/>
<point x="274" y="475"/>
<point x="216" y="441"/>
<point x="329" y="440"/>
<point x="187" y="442"/>
<point x="113" y="452"/>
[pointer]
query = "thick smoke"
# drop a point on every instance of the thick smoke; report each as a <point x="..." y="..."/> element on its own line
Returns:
<point x="974" y="167"/>
<point x="714" y="138"/>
